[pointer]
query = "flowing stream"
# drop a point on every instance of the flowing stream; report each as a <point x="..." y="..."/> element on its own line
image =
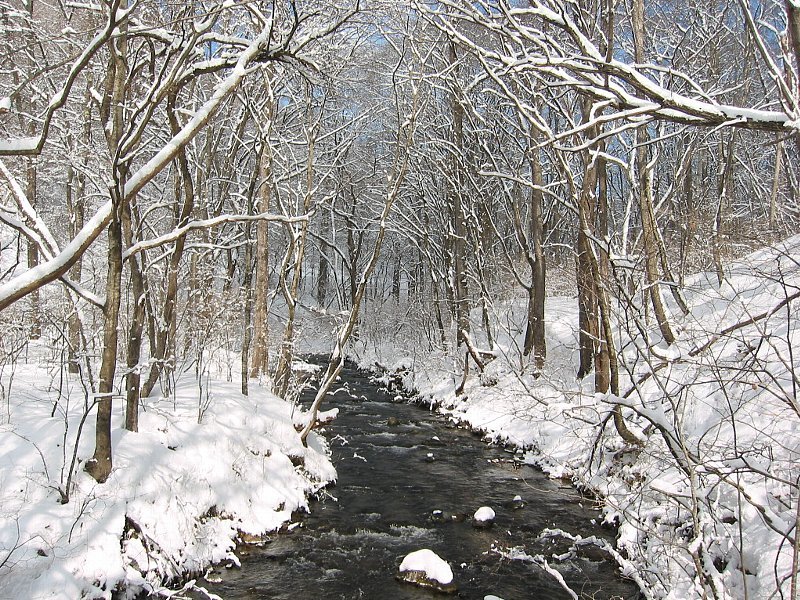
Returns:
<point x="397" y="463"/>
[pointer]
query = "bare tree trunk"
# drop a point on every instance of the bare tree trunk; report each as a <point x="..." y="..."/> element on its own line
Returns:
<point x="260" y="360"/>
<point x="605" y="369"/>
<point x="99" y="466"/>
<point x="644" y="183"/>
<point x="135" y="327"/>
<point x="324" y="267"/>
<point x="793" y="27"/>
<point x="460" y="288"/>
<point x="587" y="297"/>
<point x="396" y="277"/>
<point x="724" y="192"/>
<point x="33" y="254"/>
<point x="247" y="289"/>
<point x="184" y="188"/>
<point x="689" y="231"/>
<point x="281" y="379"/>
<point x="773" y="197"/>
<point x="535" y="331"/>
<point x="75" y="206"/>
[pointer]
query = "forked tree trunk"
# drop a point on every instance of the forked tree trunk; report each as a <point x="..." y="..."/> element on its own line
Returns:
<point x="99" y="466"/>
<point x="594" y="224"/>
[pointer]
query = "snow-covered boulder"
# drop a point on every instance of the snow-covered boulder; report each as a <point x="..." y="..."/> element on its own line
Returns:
<point x="483" y="517"/>
<point x="426" y="569"/>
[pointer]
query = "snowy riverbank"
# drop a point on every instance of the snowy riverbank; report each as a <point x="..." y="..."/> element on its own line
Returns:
<point x="208" y="466"/>
<point x="708" y="500"/>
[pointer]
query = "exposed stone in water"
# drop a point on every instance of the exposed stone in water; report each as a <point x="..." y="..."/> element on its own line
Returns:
<point x="437" y="516"/>
<point x="426" y="569"/>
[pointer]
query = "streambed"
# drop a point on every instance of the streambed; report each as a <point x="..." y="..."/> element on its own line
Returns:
<point x="398" y="463"/>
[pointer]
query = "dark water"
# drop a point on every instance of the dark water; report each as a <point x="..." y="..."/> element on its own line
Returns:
<point x="350" y="547"/>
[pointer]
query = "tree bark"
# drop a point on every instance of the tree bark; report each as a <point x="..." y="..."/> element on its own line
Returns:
<point x="76" y="182"/>
<point x="247" y="289"/>
<point x="644" y="183"/>
<point x="184" y="190"/>
<point x="259" y="363"/>
<point x="33" y="253"/>
<point x="324" y="267"/>
<point x="793" y="28"/>
<point x="588" y="334"/>
<point x="459" y="239"/>
<point x="773" y="197"/>
<point x="99" y="466"/>
<point x="135" y="327"/>
<point x="724" y="193"/>
<point x="535" y="331"/>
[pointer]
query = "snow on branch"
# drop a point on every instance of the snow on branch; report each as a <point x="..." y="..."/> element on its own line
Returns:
<point x="52" y="269"/>
<point x="527" y="46"/>
<point x="32" y="145"/>
<point x="205" y="224"/>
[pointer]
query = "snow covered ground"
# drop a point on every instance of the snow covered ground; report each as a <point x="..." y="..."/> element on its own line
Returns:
<point x="208" y="466"/>
<point x="708" y="502"/>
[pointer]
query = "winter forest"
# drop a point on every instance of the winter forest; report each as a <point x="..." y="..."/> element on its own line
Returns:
<point x="568" y="225"/>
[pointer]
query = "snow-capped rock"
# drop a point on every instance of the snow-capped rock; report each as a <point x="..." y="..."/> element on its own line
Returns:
<point x="426" y="569"/>
<point x="483" y="517"/>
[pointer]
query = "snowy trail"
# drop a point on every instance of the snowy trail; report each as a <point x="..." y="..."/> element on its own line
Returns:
<point x="388" y="489"/>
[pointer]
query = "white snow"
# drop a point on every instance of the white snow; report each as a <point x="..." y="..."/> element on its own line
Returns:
<point x="428" y="562"/>
<point x="724" y="404"/>
<point x="205" y="467"/>
<point x="484" y="514"/>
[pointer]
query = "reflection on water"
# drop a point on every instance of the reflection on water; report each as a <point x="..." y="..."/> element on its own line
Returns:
<point x="381" y="509"/>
